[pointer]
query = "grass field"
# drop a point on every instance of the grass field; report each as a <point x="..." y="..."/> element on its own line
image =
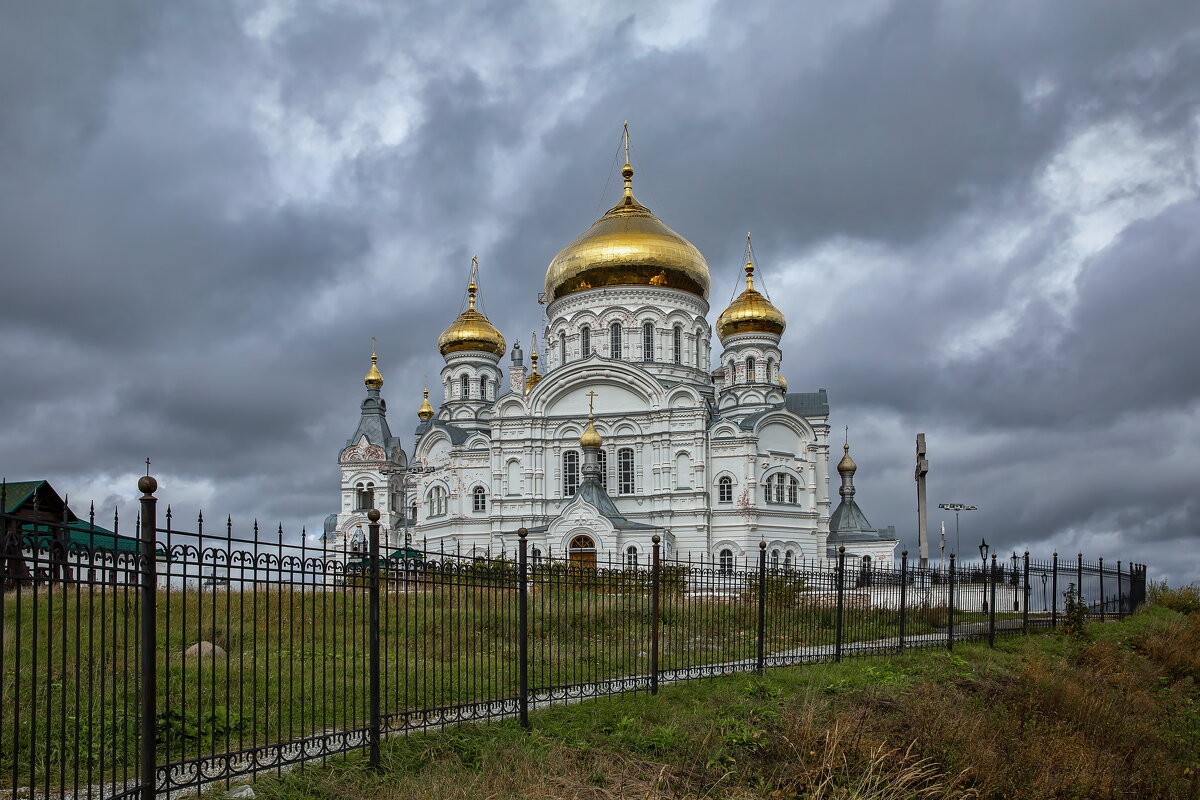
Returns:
<point x="1112" y="714"/>
<point x="293" y="661"/>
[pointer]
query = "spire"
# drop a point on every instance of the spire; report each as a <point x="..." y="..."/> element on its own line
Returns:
<point x="627" y="170"/>
<point x="473" y="287"/>
<point x="374" y="378"/>
<point x="426" y="410"/>
<point x="534" y="375"/>
<point x="749" y="264"/>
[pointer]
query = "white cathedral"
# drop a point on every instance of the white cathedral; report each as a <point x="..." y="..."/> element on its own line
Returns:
<point x="627" y="432"/>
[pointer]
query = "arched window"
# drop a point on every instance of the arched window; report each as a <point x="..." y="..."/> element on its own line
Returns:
<point x="366" y="496"/>
<point x="602" y="460"/>
<point x="699" y="357"/>
<point x="775" y="559"/>
<point x="479" y="499"/>
<point x="770" y="487"/>
<point x="585" y="341"/>
<point x="562" y="347"/>
<point x="787" y="559"/>
<point x="647" y="341"/>
<point x="570" y="473"/>
<point x="483" y="387"/>
<point x="793" y="491"/>
<point x="677" y="344"/>
<point x="726" y="561"/>
<point x="631" y="557"/>
<point x="725" y="489"/>
<point x="770" y="376"/>
<point x="466" y="387"/>
<point x="625" y="471"/>
<point x="614" y="340"/>
<point x="535" y="555"/>
<point x="779" y="488"/>
<point x="731" y="373"/>
<point x="412" y="512"/>
<point x="750" y="376"/>
<point x="514" y="476"/>
<point x="437" y="501"/>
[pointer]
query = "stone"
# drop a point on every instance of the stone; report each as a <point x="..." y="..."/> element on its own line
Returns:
<point x="243" y="792"/>
<point x="206" y="650"/>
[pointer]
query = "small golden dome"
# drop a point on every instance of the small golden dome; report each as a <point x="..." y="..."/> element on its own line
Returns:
<point x="628" y="246"/>
<point x="783" y="383"/>
<point x="471" y="330"/>
<point x="426" y="410"/>
<point x="374" y="378"/>
<point x="590" y="437"/>
<point x="750" y="312"/>
<point x="847" y="466"/>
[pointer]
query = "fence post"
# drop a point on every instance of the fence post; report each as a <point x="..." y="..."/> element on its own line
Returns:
<point x="992" y="604"/>
<point x="761" y="666"/>
<point x="1103" y="601"/>
<point x="903" y="592"/>
<point x="1025" y="596"/>
<point x="950" y="609"/>
<point x="523" y="624"/>
<point x="373" y="635"/>
<point x="148" y="636"/>
<point x="654" y="575"/>
<point x="841" y="593"/>
<point x="1054" y="593"/>
<point x="1120" y="597"/>
<point x="1079" y="581"/>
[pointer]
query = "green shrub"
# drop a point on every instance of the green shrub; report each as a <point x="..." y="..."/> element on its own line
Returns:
<point x="1074" y="612"/>
<point x="1184" y="599"/>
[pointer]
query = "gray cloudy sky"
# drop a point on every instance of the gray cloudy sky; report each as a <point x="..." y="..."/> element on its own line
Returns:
<point x="981" y="219"/>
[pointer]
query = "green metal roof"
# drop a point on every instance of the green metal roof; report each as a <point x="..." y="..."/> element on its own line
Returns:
<point x="79" y="535"/>
<point x="17" y="493"/>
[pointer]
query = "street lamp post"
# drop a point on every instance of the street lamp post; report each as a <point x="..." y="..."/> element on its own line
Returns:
<point x="983" y="553"/>
<point x="956" y="508"/>
<point x="1045" y="603"/>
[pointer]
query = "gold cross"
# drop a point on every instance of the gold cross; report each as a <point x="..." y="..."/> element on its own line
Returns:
<point x="626" y="141"/>
<point x="591" y="395"/>
<point x="372" y="345"/>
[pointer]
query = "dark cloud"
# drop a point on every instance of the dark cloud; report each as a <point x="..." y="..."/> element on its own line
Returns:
<point x="208" y="210"/>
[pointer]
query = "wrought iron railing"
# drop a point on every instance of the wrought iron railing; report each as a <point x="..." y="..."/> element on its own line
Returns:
<point x="174" y="659"/>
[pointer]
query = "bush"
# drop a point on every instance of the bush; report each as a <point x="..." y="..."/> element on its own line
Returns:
<point x="1074" y="612"/>
<point x="1185" y="599"/>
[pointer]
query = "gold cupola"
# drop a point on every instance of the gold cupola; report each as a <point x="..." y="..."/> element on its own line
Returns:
<point x="374" y="378"/>
<point x="750" y="312"/>
<point x="590" y="436"/>
<point x="847" y="466"/>
<point x="426" y="410"/>
<point x="628" y="246"/>
<point x="471" y="330"/>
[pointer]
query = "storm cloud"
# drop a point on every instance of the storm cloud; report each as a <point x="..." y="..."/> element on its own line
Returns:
<point x="981" y="220"/>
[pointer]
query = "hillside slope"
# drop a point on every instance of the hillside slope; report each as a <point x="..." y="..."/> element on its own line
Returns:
<point x="1115" y="713"/>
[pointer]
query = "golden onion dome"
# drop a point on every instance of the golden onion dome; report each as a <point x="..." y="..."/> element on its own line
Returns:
<point x="847" y="466"/>
<point x="426" y="410"/>
<point x="590" y="437"/>
<point x="374" y="378"/>
<point x="471" y="331"/>
<point x="783" y="383"/>
<point x="750" y="312"/>
<point x="628" y="246"/>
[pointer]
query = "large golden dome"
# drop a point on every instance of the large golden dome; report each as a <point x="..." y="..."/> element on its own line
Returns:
<point x="471" y="330"/>
<point x="628" y="246"/>
<point x="750" y="312"/>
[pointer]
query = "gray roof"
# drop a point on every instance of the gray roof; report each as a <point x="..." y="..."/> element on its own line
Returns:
<point x="592" y="492"/>
<point x="330" y="525"/>
<point x="373" y="424"/>
<point x="457" y="435"/>
<point x="849" y="524"/>
<point x="808" y="404"/>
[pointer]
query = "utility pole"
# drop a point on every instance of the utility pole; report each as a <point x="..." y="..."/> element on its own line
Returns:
<point x="922" y="514"/>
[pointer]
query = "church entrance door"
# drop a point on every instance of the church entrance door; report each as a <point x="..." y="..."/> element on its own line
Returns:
<point x="582" y="551"/>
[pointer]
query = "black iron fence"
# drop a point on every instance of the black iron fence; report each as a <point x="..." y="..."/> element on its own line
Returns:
<point x="181" y="658"/>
